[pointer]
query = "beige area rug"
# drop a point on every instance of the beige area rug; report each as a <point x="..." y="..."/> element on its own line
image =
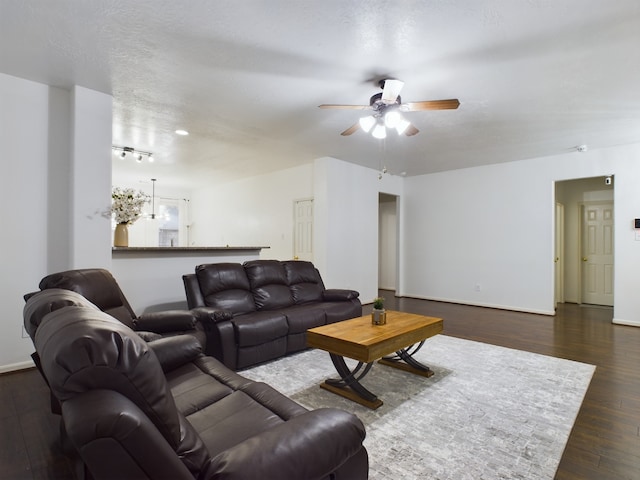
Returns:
<point x="488" y="412"/>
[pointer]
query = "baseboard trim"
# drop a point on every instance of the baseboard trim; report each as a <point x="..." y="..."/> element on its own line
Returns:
<point x="629" y="323"/>
<point x="484" y="305"/>
<point x="13" y="367"/>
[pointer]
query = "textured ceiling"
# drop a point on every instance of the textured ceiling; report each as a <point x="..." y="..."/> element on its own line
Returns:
<point x="534" y="77"/>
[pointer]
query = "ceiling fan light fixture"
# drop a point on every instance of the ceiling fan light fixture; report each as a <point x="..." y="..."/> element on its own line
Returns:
<point x="367" y="122"/>
<point x="392" y="118"/>
<point x="401" y="126"/>
<point x="379" y="131"/>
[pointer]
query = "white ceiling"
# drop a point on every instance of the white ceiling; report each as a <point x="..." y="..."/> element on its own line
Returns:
<point x="534" y="77"/>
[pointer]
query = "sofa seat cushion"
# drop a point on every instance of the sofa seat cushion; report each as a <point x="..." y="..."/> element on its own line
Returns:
<point x="254" y="408"/>
<point x="303" y="317"/>
<point x="259" y="327"/>
<point x="231" y="420"/>
<point x="193" y="391"/>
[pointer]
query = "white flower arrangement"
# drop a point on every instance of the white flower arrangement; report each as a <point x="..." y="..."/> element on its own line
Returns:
<point x="127" y="203"/>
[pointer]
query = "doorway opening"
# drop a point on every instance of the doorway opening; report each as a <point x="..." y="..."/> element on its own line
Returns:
<point x="387" y="242"/>
<point x="587" y="235"/>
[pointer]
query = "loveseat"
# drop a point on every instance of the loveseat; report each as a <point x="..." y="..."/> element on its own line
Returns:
<point x="261" y="310"/>
<point x="161" y="409"/>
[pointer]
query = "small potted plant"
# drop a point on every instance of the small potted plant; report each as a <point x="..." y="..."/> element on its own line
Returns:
<point x="378" y="315"/>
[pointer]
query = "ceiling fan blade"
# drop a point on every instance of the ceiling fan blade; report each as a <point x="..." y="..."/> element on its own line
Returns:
<point x="345" y="107"/>
<point x="352" y="129"/>
<point x="391" y="90"/>
<point x="411" y="131"/>
<point x="451" y="104"/>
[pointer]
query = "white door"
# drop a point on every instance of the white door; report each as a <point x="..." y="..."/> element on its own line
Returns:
<point x="303" y="230"/>
<point x="597" y="254"/>
<point x="559" y="255"/>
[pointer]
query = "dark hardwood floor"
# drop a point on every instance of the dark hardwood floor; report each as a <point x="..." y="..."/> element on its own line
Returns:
<point x="604" y="443"/>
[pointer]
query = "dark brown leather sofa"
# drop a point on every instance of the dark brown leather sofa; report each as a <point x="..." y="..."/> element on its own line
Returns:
<point x="261" y="310"/>
<point x="162" y="410"/>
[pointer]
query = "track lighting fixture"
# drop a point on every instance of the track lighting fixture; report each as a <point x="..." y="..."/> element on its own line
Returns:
<point x="139" y="155"/>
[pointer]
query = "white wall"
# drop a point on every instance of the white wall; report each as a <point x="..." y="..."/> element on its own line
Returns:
<point x="23" y="183"/>
<point x="346" y="224"/>
<point x="44" y="207"/>
<point x="492" y="226"/>
<point x="91" y="119"/>
<point x="255" y="211"/>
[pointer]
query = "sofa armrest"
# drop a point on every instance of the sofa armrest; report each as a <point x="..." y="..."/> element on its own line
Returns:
<point x="336" y="294"/>
<point x="208" y="314"/>
<point x="311" y="445"/>
<point x="120" y="442"/>
<point x="173" y="352"/>
<point x="165" y="322"/>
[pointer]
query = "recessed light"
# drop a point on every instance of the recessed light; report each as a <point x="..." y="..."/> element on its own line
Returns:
<point x="182" y="132"/>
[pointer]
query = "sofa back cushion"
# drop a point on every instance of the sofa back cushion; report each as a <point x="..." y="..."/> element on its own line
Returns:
<point x="47" y="301"/>
<point x="96" y="285"/>
<point x="269" y="285"/>
<point x="225" y="286"/>
<point x="304" y="281"/>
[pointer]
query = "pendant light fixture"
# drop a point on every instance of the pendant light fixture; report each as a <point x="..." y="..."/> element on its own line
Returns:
<point x="153" y="198"/>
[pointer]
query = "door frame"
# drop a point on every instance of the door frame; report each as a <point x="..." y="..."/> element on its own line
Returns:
<point x="396" y="234"/>
<point x="559" y="252"/>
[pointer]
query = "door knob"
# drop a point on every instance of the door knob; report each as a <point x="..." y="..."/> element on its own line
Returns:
<point x="296" y="257"/>
<point x="584" y="259"/>
<point x="556" y="260"/>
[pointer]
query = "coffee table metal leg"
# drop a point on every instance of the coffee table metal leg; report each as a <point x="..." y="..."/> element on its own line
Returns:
<point x="349" y="386"/>
<point x="403" y="359"/>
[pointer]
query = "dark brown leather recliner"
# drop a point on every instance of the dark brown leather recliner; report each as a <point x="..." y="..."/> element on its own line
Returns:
<point x="99" y="287"/>
<point x="162" y="410"/>
<point x="261" y="310"/>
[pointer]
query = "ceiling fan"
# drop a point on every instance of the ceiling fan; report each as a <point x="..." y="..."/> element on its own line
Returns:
<point x="387" y="109"/>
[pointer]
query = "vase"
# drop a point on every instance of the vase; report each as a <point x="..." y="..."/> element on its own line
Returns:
<point x="378" y="317"/>
<point x="121" y="235"/>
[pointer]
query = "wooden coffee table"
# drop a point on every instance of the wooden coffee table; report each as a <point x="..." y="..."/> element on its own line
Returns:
<point x="394" y="344"/>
